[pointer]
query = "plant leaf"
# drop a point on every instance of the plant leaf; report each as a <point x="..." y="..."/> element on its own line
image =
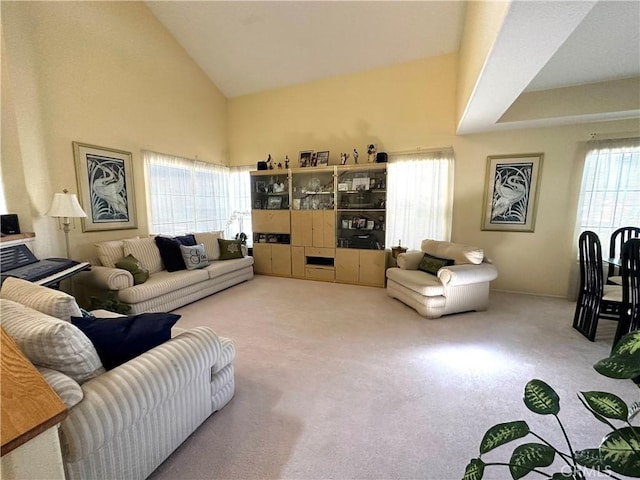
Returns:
<point x="474" y="470"/>
<point x="617" y="454"/>
<point x="528" y="456"/>
<point x="589" y="458"/>
<point x="503" y="433"/>
<point x="629" y="344"/>
<point x="607" y="404"/>
<point x="619" y="367"/>
<point x="540" y="398"/>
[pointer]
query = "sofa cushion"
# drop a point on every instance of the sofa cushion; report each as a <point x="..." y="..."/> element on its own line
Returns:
<point x="118" y="340"/>
<point x="461" y="254"/>
<point x="230" y="249"/>
<point x="46" y="300"/>
<point x="215" y="269"/>
<point x="170" y="251"/>
<point x="161" y="283"/>
<point x="145" y="250"/>
<point x="431" y="264"/>
<point x="210" y="241"/>
<point x="50" y="342"/>
<point x="194" y="256"/>
<point x="65" y="387"/>
<point x="135" y="267"/>
<point x="417" y="280"/>
<point x="110" y="252"/>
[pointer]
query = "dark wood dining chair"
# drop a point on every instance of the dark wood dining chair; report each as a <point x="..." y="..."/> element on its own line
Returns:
<point x="595" y="299"/>
<point x="618" y="239"/>
<point x="630" y="270"/>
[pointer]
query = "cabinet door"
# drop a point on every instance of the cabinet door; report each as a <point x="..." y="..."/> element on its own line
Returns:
<point x="318" y="228"/>
<point x="347" y="265"/>
<point x="301" y="228"/>
<point x="329" y="229"/>
<point x="271" y="221"/>
<point x="262" y="258"/>
<point x="372" y="267"/>
<point x="297" y="262"/>
<point x="281" y="260"/>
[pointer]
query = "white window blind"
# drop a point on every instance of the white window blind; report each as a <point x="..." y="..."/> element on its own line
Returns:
<point x="610" y="192"/>
<point x="419" y="197"/>
<point x="189" y="196"/>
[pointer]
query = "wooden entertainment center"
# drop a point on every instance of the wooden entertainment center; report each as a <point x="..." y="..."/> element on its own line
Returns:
<point x="321" y="223"/>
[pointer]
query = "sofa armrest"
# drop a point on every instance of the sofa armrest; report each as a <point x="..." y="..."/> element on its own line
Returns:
<point x="466" y="274"/>
<point x="123" y="396"/>
<point x="409" y="260"/>
<point x="105" y="278"/>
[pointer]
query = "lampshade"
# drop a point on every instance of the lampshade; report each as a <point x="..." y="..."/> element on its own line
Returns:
<point x="65" y="205"/>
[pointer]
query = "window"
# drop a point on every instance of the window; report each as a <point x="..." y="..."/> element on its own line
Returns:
<point x="610" y="192"/>
<point x="190" y="196"/>
<point x="419" y="197"/>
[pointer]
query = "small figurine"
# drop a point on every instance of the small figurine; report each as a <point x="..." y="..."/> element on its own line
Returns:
<point x="355" y="156"/>
<point x="371" y="151"/>
<point x="343" y="158"/>
<point x="270" y="162"/>
<point x="280" y="165"/>
<point x="314" y="159"/>
<point x="286" y="161"/>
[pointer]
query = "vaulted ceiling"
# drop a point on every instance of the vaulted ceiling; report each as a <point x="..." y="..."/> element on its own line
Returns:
<point x="552" y="62"/>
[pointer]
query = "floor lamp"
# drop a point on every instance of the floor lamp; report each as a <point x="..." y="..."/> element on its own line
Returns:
<point x="65" y="206"/>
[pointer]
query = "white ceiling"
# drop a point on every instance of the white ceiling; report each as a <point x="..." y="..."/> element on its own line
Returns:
<point x="252" y="46"/>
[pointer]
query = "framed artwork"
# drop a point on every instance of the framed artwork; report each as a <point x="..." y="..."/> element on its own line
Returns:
<point x="105" y="184"/>
<point x="323" y="158"/>
<point x="511" y="192"/>
<point x="274" y="203"/>
<point x="304" y="158"/>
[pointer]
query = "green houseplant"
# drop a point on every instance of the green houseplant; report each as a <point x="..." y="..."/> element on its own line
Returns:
<point x="619" y="451"/>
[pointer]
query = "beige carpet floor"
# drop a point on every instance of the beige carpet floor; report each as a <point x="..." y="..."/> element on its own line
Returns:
<point x="342" y="382"/>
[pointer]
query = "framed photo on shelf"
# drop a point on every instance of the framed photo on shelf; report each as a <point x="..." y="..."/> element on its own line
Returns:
<point x="261" y="186"/>
<point x="361" y="183"/>
<point x="511" y="192"/>
<point x="105" y="185"/>
<point x="323" y="158"/>
<point x="344" y="187"/>
<point x="304" y="158"/>
<point x="274" y="203"/>
<point x="257" y="205"/>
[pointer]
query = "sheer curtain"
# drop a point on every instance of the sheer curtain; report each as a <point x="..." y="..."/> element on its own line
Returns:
<point x="419" y="197"/>
<point x="185" y="195"/>
<point x="240" y="203"/>
<point x="610" y="192"/>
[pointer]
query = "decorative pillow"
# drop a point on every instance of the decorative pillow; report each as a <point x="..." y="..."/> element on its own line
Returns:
<point x="195" y="256"/>
<point x="118" y="340"/>
<point x="133" y="265"/>
<point x="66" y="388"/>
<point x="50" y="342"/>
<point x="230" y="249"/>
<point x="145" y="250"/>
<point x="210" y="241"/>
<point x="110" y="252"/>
<point x="170" y="251"/>
<point x="431" y="264"/>
<point x="46" y="300"/>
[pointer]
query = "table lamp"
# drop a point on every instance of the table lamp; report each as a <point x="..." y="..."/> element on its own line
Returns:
<point x="65" y="205"/>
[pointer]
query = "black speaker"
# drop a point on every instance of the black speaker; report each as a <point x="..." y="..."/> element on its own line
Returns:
<point x="262" y="166"/>
<point x="381" y="157"/>
<point x="9" y="224"/>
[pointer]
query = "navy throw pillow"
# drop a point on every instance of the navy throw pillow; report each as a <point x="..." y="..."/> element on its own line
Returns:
<point x="118" y="340"/>
<point x="170" y="251"/>
<point x="431" y="264"/>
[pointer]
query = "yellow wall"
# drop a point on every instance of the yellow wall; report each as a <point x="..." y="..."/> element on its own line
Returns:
<point x="413" y="105"/>
<point x="107" y="73"/>
<point x="103" y="73"/>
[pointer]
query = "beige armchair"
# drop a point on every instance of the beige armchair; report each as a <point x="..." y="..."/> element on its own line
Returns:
<point x="459" y="287"/>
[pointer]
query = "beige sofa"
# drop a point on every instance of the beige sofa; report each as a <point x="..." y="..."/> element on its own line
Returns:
<point x="460" y="287"/>
<point x="163" y="291"/>
<point x="122" y="423"/>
